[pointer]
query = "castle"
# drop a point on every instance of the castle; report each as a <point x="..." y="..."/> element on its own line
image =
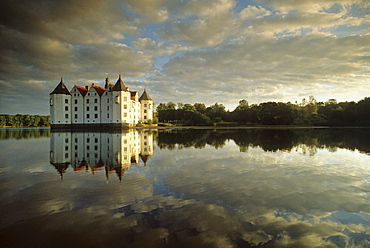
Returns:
<point x="114" y="106"/>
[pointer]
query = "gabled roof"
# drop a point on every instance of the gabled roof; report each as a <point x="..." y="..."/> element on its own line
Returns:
<point x="99" y="90"/>
<point x="145" y="158"/>
<point x="119" y="86"/>
<point x="61" y="89"/>
<point x="82" y="90"/>
<point x="145" y="96"/>
<point x="133" y="94"/>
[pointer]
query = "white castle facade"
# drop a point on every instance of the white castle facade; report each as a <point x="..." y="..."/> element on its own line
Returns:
<point x="94" y="106"/>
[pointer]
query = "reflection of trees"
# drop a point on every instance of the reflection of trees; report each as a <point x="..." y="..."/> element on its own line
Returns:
<point x="270" y="139"/>
<point x="24" y="133"/>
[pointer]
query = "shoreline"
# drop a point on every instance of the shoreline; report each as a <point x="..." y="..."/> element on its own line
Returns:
<point x="186" y="127"/>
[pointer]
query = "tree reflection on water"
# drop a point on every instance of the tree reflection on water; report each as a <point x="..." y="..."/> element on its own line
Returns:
<point x="187" y="188"/>
<point x="270" y="139"/>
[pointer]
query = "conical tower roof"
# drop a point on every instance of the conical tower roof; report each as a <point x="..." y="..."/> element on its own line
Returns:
<point x="61" y="89"/>
<point x="119" y="86"/>
<point x="145" y="96"/>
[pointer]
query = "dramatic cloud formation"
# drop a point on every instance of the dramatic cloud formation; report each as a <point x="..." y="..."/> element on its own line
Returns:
<point x="186" y="51"/>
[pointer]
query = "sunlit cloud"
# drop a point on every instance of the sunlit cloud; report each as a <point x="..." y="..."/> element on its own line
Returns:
<point x="198" y="51"/>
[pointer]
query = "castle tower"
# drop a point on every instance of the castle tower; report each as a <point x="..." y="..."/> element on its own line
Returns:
<point x="120" y="103"/>
<point x="60" y="106"/>
<point x="147" y="107"/>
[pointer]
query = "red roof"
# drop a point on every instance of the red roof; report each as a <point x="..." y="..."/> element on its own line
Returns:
<point x="82" y="90"/>
<point x="99" y="90"/>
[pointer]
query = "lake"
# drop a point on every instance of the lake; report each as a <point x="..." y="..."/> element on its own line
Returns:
<point x="185" y="188"/>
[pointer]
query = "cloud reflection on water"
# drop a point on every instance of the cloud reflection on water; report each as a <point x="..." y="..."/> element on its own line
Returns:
<point x="193" y="197"/>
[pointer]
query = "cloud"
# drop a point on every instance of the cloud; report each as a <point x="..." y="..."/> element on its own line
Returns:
<point x="201" y="23"/>
<point x="266" y="50"/>
<point x="152" y="10"/>
<point x="309" y="61"/>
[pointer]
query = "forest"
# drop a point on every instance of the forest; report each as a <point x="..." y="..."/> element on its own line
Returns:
<point x="24" y="120"/>
<point x="307" y="113"/>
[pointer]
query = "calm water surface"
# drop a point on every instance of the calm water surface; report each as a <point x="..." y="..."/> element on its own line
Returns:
<point x="185" y="188"/>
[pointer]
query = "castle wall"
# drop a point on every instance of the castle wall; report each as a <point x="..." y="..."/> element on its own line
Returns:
<point x="60" y="110"/>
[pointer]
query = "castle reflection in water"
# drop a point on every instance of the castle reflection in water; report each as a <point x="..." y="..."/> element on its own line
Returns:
<point x="93" y="151"/>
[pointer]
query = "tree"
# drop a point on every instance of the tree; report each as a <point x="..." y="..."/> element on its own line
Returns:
<point x="272" y="113"/>
<point x="200" y="107"/>
<point x="171" y="106"/>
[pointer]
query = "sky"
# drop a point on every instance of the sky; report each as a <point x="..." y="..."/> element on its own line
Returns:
<point x="188" y="51"/>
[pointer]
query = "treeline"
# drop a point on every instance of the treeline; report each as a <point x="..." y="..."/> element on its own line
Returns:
<point x="24" y="120"/>
<point x="308" y="112"/>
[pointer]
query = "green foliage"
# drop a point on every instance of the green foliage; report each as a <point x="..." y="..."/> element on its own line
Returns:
<point x="24" y="120"/>
<point x="309" y="112"/>
<point x="24" y="133"/>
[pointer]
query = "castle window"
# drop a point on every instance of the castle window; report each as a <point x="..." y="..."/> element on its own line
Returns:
<point x="66" y="100"/>
<point x="66" y="155"/>
<point x="125" y="98"/>
<point x="124" y="114"/>
<point x="88" y="140"/>
<point x="87" y="100"/>
<point x="95" y="94"/>
<point x="66" y="108"/>
<point x="76" y="116"/>
<point x="87" y="108"/>
<point x="145" y="105"/>
<point x="96" y="140"/>
<point x="87" y="147"/>
<point x="76" y="147"/>
<point x="145" y="111"/>
<point x="125" y="106"/>
<point x="66" y="148"/>
<point x="96" y="116"/>
<point x="66" y="140"/>
<point x="117" y="99"/>
<point x="107" y="107"/>
<point x="108" y="98"/>
<point x="51" y="102"/>
<point x="88" y="116"/>
<point x="88" y="94"/>
<point x="75" y="101"/>
<point x="75" y="108"/>
<point x="144" y="117"/>
<point x="95" y="100"/>
<point x="96" y="108"/>
<point x="76" y="140"/>
<point x="96" y="148"/>
<point x="66" y="116"/>
<point x="108" y="115"/>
